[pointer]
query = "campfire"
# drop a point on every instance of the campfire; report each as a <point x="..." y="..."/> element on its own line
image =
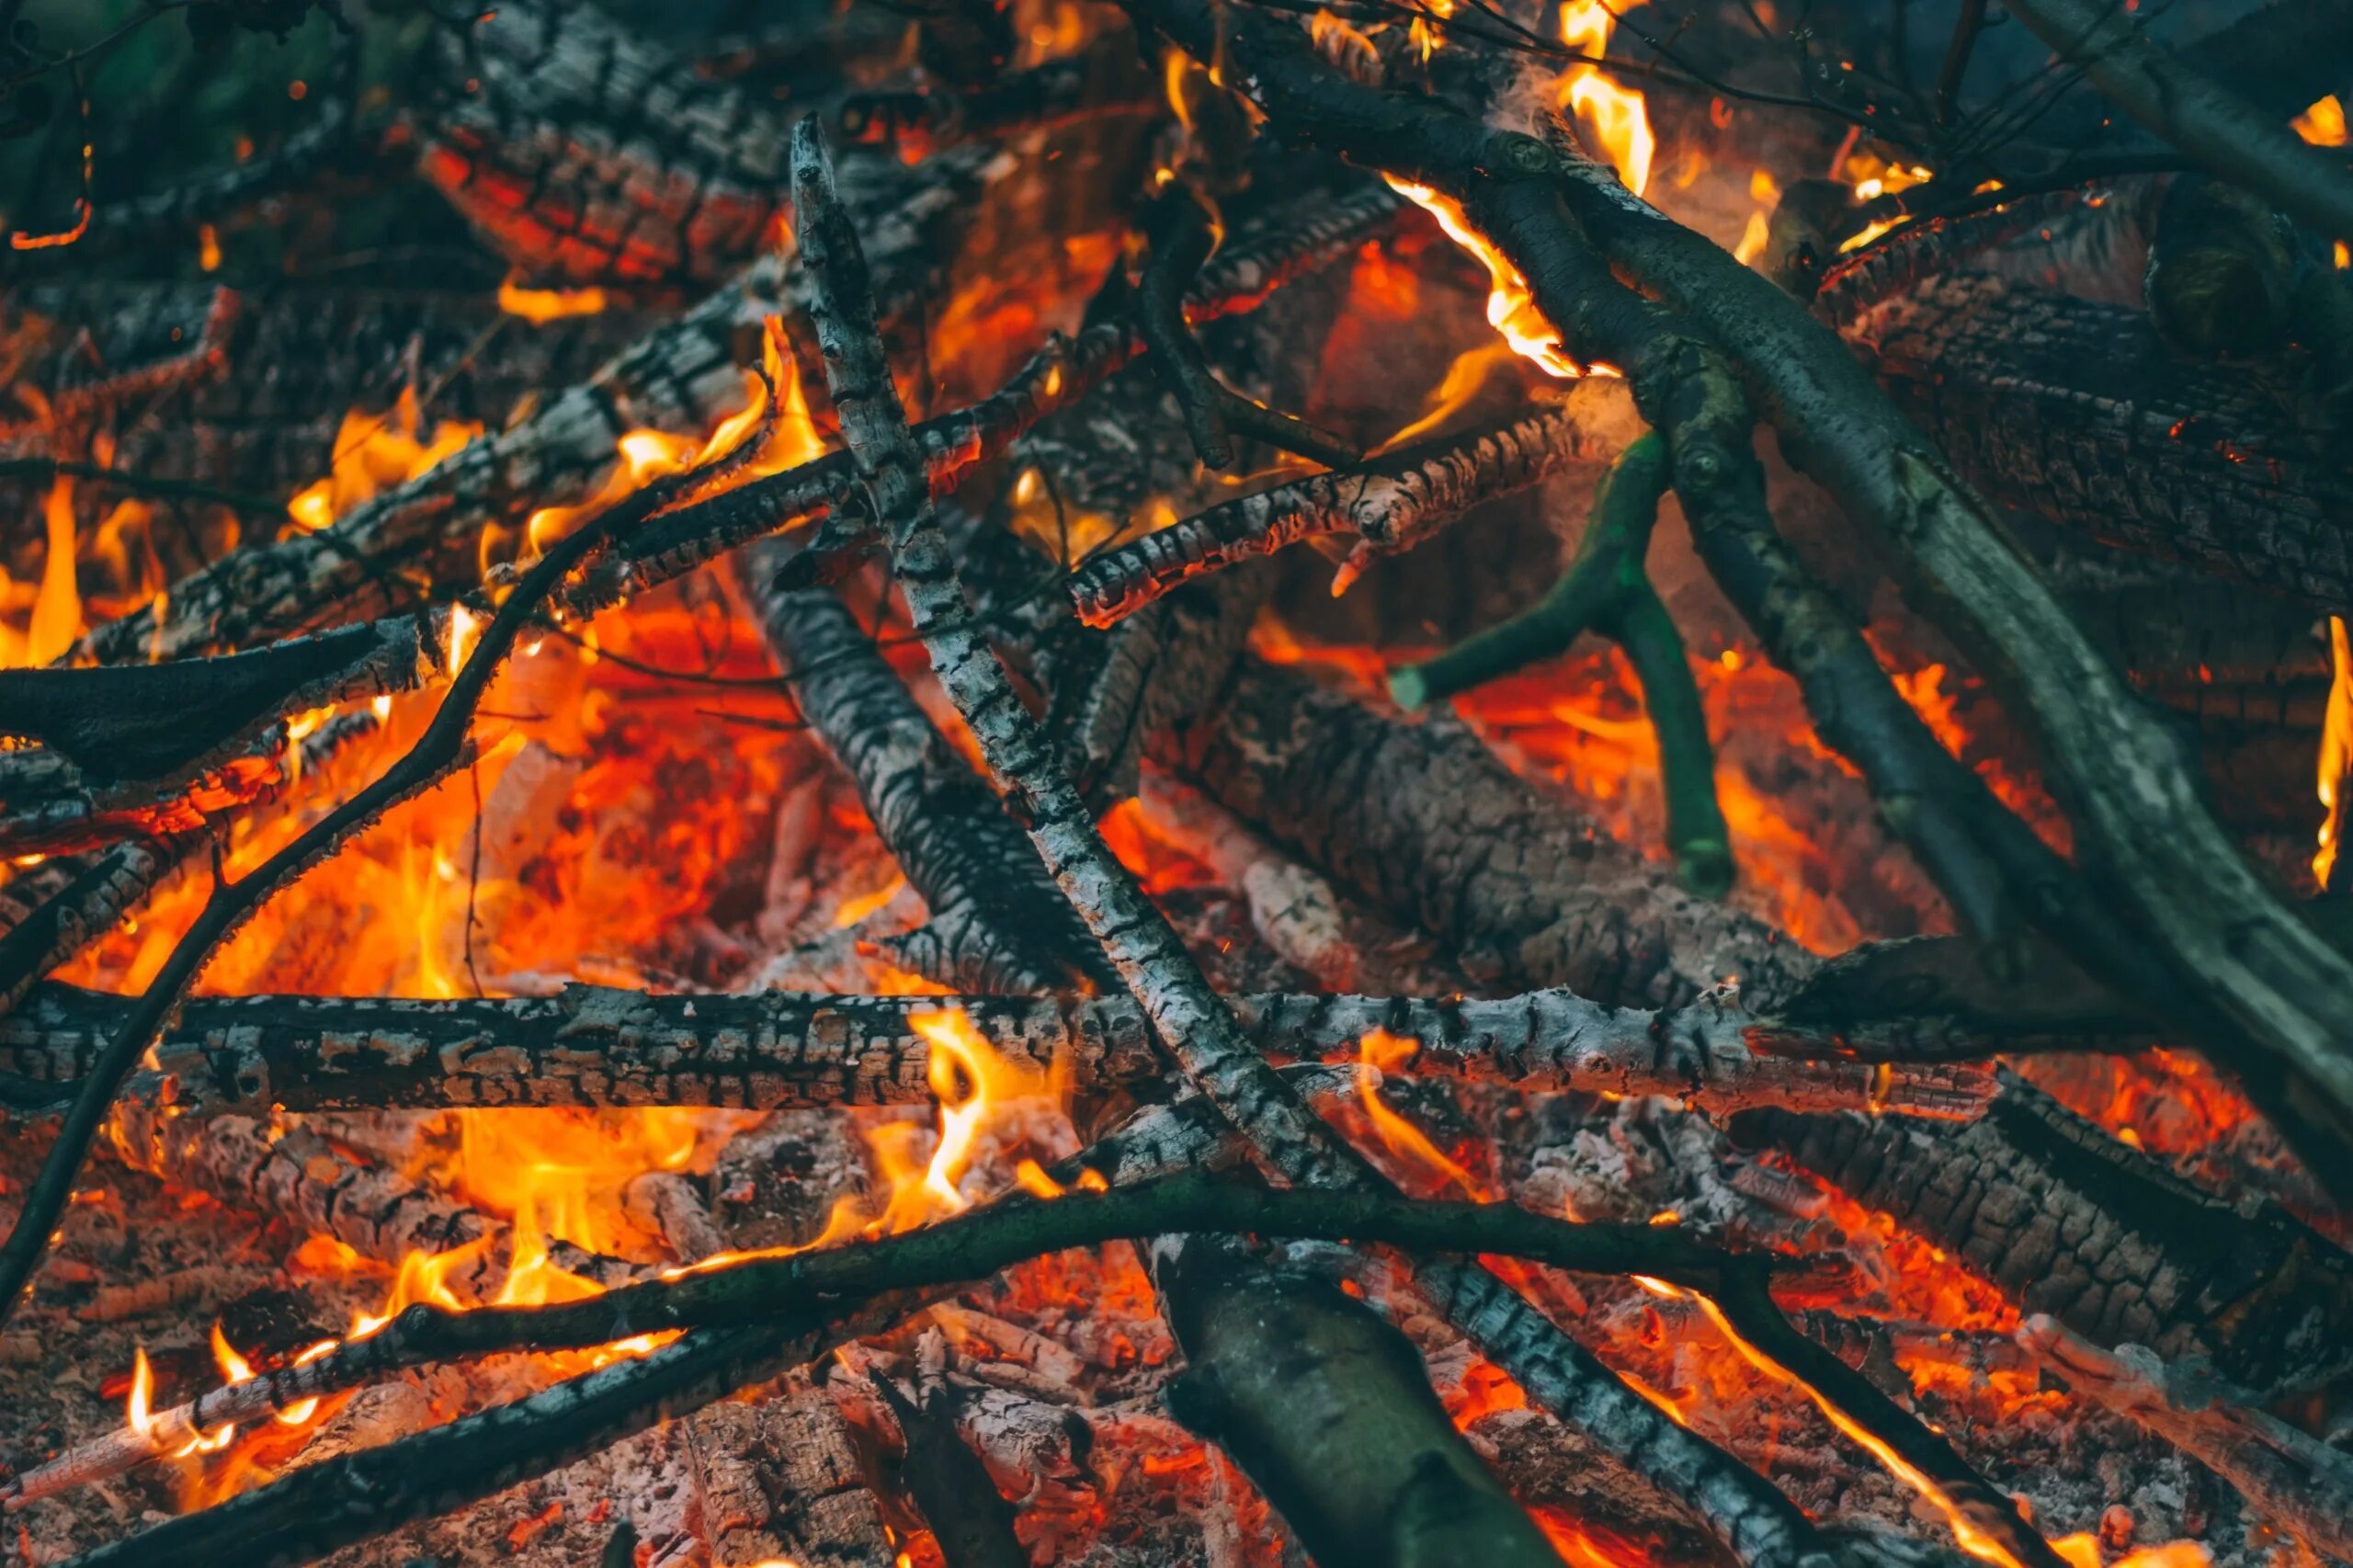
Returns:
<point x="991" y="782"/>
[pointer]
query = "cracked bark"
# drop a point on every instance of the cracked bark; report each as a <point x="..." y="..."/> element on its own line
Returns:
<point x="2071" y="1223"/>
<point x="2075" y="412"/>
<point x="996" y="922"/>
<point x="590" y="1046"/>
<point x="1427" y="826"/>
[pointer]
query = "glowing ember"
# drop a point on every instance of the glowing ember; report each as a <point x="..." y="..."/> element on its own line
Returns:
<point x="2322" y="125"/>
<point x="541" y="306"/>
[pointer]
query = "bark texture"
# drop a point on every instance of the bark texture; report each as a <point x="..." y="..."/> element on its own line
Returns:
<point x="1427" y="824"/>
<point x="996" y="922"/>
<point x="2075" y="412"/>
<point x="2071" y="1223"/>
<point x="591" y="1046"/>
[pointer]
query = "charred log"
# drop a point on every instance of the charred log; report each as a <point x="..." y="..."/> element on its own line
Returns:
<point x="2073" y="1223"/>
<point x="2076" y="413"/>
<point x="589" y="1046"/>
<point x="1428" y="827"/>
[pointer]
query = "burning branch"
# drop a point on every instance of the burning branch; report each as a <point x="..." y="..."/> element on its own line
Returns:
<point x="590" y="1046"/>
<point x="1391" y="503"/>
<point x="1751" y="1519"/>
<point x="765" y="1297"/>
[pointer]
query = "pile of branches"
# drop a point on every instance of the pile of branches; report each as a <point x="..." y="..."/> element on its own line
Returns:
<point x="603" y="160"/>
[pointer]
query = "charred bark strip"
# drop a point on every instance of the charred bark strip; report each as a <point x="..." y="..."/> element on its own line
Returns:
<point x="590" y="1046"/>
<point x="2071" y="1223"/>
<point x="1391" y="503"/>
<point x="2076" y="413"/>
<point x="423" y="538"/>
<point x="996" y="922"/>
<point x="292" y="1174"/>
<point x="157" y="722"/>
<point x="1747" y="1513"/>
<point x="1329" y="1411"/>
<point x="1425" y="824"/>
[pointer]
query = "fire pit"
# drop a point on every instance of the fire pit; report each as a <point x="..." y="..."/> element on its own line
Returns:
<point x="1039" y="783"/>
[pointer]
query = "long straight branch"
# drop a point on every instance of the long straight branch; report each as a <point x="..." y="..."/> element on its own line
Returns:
<point x="594" y="1046"/>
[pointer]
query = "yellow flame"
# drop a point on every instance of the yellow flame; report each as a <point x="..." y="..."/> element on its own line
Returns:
<point x="1380" y="1052"/>
<point x="1511" y="308"/>
<point x="372" y="454"/>
<point x="1617" y="116"/>
<point x="2322" y="125"/>
<point x="541" y="305"/>
<point x="2336" y="746"/>
<point x="138" y="1409"/>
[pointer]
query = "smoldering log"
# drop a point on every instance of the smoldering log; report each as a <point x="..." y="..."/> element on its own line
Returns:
<point x="2075" y="411"/>
<point x="782" y="1477"/>
<point x="593" y="1046"/>
<point x="2069" y="1222"/>
<point x="1328" y="1410"/>
<point x="587" y="152"/>
<point x="2297" y="1483"/>
<point x="1427" y="826"/>
<point x="996" y="921"/>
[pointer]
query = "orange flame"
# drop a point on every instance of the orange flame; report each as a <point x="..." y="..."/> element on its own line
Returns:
<point x="539" y="306"/>
<point x="1617" y="118"/>
<point x="1380" y="1052"/>
<point x="2336" y="747"/>
<point x="373" y="453"/>
<point x="1511" y="308"/>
